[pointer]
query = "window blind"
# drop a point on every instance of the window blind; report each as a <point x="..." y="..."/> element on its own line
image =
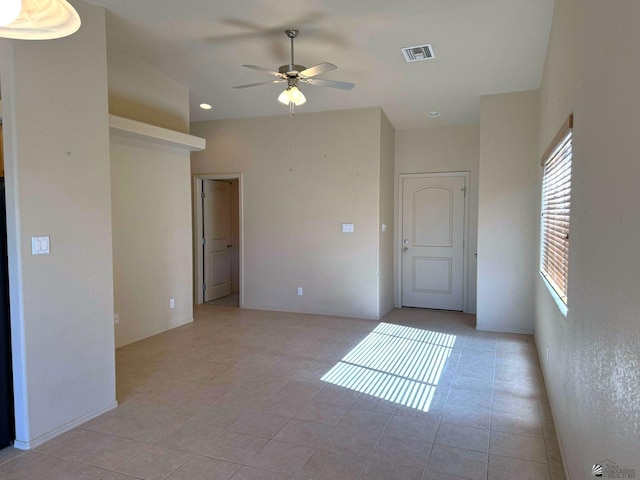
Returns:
<point x="556" y="214"/>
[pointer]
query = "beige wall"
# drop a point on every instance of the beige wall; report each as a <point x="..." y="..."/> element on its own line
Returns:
<point x="385" y="252"/>
<point x="302" y="178"/>
<point x="140" y="92"/>
<point x="507" y="206"/>
<point x="151" y="206"/>
<point x="444" y="149"/>
<point x="593" y="370"/>
<point x="57" y="172"/>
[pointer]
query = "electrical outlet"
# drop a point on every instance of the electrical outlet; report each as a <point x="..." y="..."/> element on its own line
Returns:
<point x="116" y="318"/>
<point x="299" y="291"/>
<point x="172" y="303"/>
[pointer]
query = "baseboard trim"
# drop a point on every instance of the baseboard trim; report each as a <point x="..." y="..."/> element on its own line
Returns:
<point x="36" y="442"/>
<point x="553" y="416"/>
<point x="504" y="330"/>
<point x="169" y="326"/>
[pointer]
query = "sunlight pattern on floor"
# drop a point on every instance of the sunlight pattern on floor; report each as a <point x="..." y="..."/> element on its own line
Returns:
<point x="395" y="363"/>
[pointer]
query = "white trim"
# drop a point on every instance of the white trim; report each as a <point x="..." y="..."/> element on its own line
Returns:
<point x="465" y="252"/>
<point x="28" y="445"/>
<point x="125" y="127"/>
<point x="504" y="330"/>
<point x="197" y="231"/>
<point x="564" y="309"/>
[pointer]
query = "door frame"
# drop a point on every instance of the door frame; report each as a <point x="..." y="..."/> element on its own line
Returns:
<point x="465" y="248"/>
<point x="198" y="228"/>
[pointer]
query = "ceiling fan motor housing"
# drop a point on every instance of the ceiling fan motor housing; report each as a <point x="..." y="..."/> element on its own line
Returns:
<point x="291" y="70"/>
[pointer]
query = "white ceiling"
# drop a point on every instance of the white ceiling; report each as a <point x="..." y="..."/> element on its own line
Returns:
<point x="481" y="47"/>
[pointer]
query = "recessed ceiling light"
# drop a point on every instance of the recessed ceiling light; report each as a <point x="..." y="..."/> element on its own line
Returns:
<point x="433" y="114"/>
<point x="205" y="106"/>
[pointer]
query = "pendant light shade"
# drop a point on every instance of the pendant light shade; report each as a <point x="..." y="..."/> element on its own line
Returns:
<point x="292" y="95"/>
<point x="9" y="11"/>
<point x="42" y="20"/>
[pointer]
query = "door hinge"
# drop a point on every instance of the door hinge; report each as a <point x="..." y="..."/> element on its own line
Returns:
<point x="204" y="287"/>
<point x="204" y="241"/>
<point x="202" y="195"/>
<point x="464" y="191"/>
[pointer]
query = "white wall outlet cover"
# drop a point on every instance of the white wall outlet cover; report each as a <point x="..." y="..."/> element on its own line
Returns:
<point x="347" y="228"/>
<point x="40" y="245"/>
<point x="299" y="290"/>
<point x="384" y="227"/>
<point x="172" y="303"/>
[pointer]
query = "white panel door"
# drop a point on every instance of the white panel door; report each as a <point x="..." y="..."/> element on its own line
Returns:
<point x="433" y="242"/>
<point x="216" y="213"/>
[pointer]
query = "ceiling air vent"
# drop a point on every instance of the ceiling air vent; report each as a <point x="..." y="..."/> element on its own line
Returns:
<point x="416" y="54"/>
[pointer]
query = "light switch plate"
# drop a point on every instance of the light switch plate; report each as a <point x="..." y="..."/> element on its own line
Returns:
<point x="347" y="228"/>
<point x="40" y="245"/>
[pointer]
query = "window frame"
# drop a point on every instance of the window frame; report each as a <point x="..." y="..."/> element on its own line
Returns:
<point x="554" y="255"/>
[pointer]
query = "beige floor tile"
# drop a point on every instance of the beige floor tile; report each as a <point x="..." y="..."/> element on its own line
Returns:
<point x="39" y="466"/>
<point x="191" y="437"/>
<point x="337" y="395"/>
<point x="460" y="415"/>
<point x="200" y="468"/>
<point x="518" y="446"/>
<point x="476" y="371"/>
<point x="378" y="470"/>
<point x="241" y="397"/>
<point x="236" y="359"/>
<point x="281" y="457"/>
<point x="464" y="398"/>
<point x="332" y="466"/>
<point x="250" y="473"/>
<point x="321" y="412"/>
<point x="503" y="468"/>
<point x="422" y="429"/>
<point x="220" y="415"/>
<point x="299" y="389"/>
<point x="523" y="424"/>
<point x="307" y="434"/>
<point x="374" y="422"/>
<point x="259" y="424"/>
<point x="233" y="447"/>
<point x="280" y="405"/>
<point x="460" y="436"/>
<point x="9" y="453"/>
<point x="458" y="462"/>
<point x="471" y="384"/>
<point x="154" y="463"/>
<point x="117" y="476"/>
<point x="402" y="451"/>
<point x="351" y="440"/>
<point x="368" y="402"/>
<point x="438" y="476"/>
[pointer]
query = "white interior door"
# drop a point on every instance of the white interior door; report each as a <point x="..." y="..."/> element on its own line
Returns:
<point x="216" y="221"/>
<point x="433" y="212"/>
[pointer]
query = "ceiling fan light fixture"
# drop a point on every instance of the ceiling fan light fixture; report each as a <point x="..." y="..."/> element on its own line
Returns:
<point x="42" y="20"/>
<point x="9" y="11"/>
<point x="292" y="95"/>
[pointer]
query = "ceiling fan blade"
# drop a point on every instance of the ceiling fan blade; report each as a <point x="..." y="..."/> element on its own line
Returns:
<point x="317" y="69"/>
<point x="259" y="83"/>
<point x="319" y="82"/>
<point x="266" y="70"/>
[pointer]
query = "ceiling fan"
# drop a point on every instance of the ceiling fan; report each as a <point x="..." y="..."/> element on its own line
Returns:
<point x="294" y="74"/>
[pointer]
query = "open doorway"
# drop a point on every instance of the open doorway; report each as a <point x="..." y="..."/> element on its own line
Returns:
<point x="218" y="239"/>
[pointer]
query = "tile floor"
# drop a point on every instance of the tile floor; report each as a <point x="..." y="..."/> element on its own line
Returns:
<point x="238" y="394"/>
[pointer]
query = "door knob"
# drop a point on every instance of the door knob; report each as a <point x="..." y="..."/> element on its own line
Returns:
<point x="405" y="249"/>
